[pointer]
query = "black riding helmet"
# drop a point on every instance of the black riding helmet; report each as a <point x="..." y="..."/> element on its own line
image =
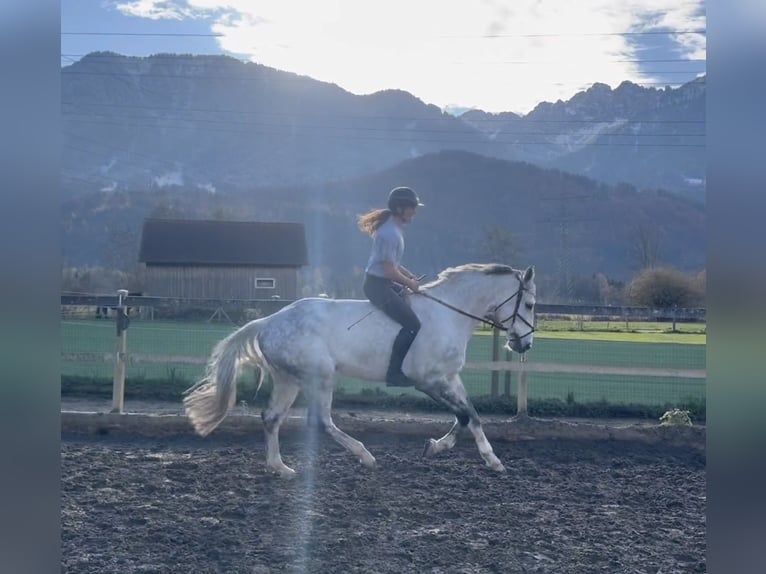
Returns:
<point x="401" y="197"/>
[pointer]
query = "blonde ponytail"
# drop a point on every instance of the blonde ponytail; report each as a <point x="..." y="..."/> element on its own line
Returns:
<point x="371" y="221"/>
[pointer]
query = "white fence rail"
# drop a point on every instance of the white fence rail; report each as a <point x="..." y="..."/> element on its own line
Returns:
<point x="121" y="358"/>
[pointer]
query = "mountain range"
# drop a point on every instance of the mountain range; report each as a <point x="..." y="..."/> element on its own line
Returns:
<point x="213" y="137"/>
<point x="217" y="122"/>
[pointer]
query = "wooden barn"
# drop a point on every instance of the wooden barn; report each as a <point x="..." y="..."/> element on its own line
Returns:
<point x="221" y="259"/>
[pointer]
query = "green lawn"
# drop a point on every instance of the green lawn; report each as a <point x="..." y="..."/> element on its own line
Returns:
<point x="631" y="337"/>
<point x="648" y="349"/>
<point x="618" y="326"/>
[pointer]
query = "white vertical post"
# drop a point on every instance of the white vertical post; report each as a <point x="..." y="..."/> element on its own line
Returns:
<point x="507" y="375"/>
<point x="494" y="391"/>
<point x="521" y="399"/>
<point x="118" y="384"/>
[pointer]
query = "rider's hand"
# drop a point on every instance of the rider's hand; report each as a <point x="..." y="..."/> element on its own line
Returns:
<point x="414" y="286"/>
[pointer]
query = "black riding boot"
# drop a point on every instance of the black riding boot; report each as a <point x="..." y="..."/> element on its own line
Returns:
<point x="395" y="377"/>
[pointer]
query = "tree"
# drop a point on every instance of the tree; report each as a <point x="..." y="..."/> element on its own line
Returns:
<point x="663" y="288"/>
<point x="121" y="248"/>
<point x="645" y="246"/>
<point x="499" y="245"/>
<point x="164" y="209"/>
<point x="584" y="290"/>
<point x="97" y="280"/>
<point x="222" y="213"/>
<point x="700" y="283"/>
<point x="610" y="292"/>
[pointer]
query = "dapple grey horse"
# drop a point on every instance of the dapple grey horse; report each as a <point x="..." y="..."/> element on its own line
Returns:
<point x="306" y="344"/>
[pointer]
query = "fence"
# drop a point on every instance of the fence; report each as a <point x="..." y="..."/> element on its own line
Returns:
<point x="171" y="339"/>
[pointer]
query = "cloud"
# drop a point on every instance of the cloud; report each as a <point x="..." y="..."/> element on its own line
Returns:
<point x="173" y="178"/>
<point x="157" y="9"/>
<point x="493" y="55"/>
<point x="209" y="187"/>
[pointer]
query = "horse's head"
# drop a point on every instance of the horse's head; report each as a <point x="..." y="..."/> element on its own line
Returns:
<point x="520" y="324"/>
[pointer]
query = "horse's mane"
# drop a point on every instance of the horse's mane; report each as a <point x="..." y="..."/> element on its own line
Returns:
<point x="484" y="268"/>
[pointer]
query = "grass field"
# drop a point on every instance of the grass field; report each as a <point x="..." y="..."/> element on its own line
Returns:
<point x="549" y="325"/>
<point x="649" y="347"/>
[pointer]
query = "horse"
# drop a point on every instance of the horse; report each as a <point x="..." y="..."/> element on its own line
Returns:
<point x="306" y="344"/>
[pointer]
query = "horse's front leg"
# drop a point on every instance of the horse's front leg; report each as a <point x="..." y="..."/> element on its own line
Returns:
<point x="451" y="393"/>
<point x="436" y="390"/>
<point x="437" y="445"/>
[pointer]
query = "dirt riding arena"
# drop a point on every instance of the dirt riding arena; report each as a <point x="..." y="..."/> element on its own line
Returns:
<point x="178" y="503"/>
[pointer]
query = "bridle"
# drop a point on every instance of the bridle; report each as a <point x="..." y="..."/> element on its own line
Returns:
<point x="515" y="315"/>
<point x="500" y="325"/>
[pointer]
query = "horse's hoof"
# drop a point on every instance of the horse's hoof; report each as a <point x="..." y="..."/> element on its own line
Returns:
<point x="284" y="472"/>
<point x="369" y="462"/>
<point x="430" y="447"/>
<point x="497" y="467"/>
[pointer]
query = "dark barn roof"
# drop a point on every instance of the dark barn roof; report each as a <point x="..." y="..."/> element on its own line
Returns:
<point x="176" y="241"/>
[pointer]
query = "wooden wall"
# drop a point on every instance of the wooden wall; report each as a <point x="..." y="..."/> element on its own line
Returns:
<point x="219" y="282"/>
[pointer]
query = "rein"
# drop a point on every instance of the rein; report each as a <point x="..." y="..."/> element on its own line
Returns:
<point x="491" y="322"/>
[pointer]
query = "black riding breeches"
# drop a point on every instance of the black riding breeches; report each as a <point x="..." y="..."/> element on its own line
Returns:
<point x="384" y="294"/>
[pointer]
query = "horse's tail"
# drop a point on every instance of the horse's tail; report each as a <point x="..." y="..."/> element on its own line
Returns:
<point x="208" y="401"/>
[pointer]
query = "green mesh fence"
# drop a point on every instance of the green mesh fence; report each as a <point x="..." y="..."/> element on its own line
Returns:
<point x="80" y="337"/>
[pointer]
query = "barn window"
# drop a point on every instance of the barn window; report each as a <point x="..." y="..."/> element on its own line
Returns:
<point x="264" y="283"/>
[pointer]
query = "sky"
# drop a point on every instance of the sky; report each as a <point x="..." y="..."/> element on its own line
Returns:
<point x="493" y="55"/>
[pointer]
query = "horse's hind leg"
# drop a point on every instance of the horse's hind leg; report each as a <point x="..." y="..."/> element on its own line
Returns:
<point x="283" y="395"/>
<point x="451" y="392"/>
<point x="323" y="404"/>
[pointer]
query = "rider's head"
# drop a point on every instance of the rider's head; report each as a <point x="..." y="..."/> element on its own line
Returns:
<point x="401" y="198"/>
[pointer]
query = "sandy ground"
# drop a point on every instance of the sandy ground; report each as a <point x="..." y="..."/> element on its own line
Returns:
<point x="570" y="501"/>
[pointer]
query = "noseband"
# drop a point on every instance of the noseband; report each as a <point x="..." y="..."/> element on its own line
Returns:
<point x="491" y="322"/>
<point x="515" y="315"/>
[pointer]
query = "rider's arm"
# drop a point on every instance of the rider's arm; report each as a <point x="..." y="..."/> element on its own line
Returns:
<point x="395" y="273"/>
<point x="407" y="272"/>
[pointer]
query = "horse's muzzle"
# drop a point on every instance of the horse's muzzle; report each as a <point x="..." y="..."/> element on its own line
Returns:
<point x="517" y="345"/>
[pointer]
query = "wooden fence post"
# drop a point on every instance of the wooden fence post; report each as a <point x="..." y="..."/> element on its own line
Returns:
<point x="494" y="389"/>
<point x="521" y="400"/>
<point x="507" y="375"/>
<point x="120" y="358"/>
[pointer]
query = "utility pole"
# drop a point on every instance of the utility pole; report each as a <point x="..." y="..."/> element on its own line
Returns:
<point x="564" y="258"/>
<point x="562" y="220"/>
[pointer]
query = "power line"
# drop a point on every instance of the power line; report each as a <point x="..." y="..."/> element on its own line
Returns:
<point x="363" y="128"/>
<point x="700" y="31"/>
<point x="253" y="79"/>
<point x="125" y="77"/>
<point x="166" y="34"/>
<point x="115" y="56"/>
<point x="413" y="139"/>
<point x="105" y="56"/>
<point x="101" y="148"/>
<point x="81" y="179"/>
<point x="661" y="60"/>
<point x="291" y="114"/>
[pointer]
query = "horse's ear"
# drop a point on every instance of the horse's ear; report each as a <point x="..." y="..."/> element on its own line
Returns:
<point x="529" y="274"/>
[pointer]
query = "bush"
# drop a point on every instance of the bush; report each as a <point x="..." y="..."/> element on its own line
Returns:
<point x="664" y="288"/>
<point x="676" y="417"/>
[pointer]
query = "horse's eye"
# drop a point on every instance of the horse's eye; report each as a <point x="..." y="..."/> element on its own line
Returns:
<point x="529" y="305"/>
